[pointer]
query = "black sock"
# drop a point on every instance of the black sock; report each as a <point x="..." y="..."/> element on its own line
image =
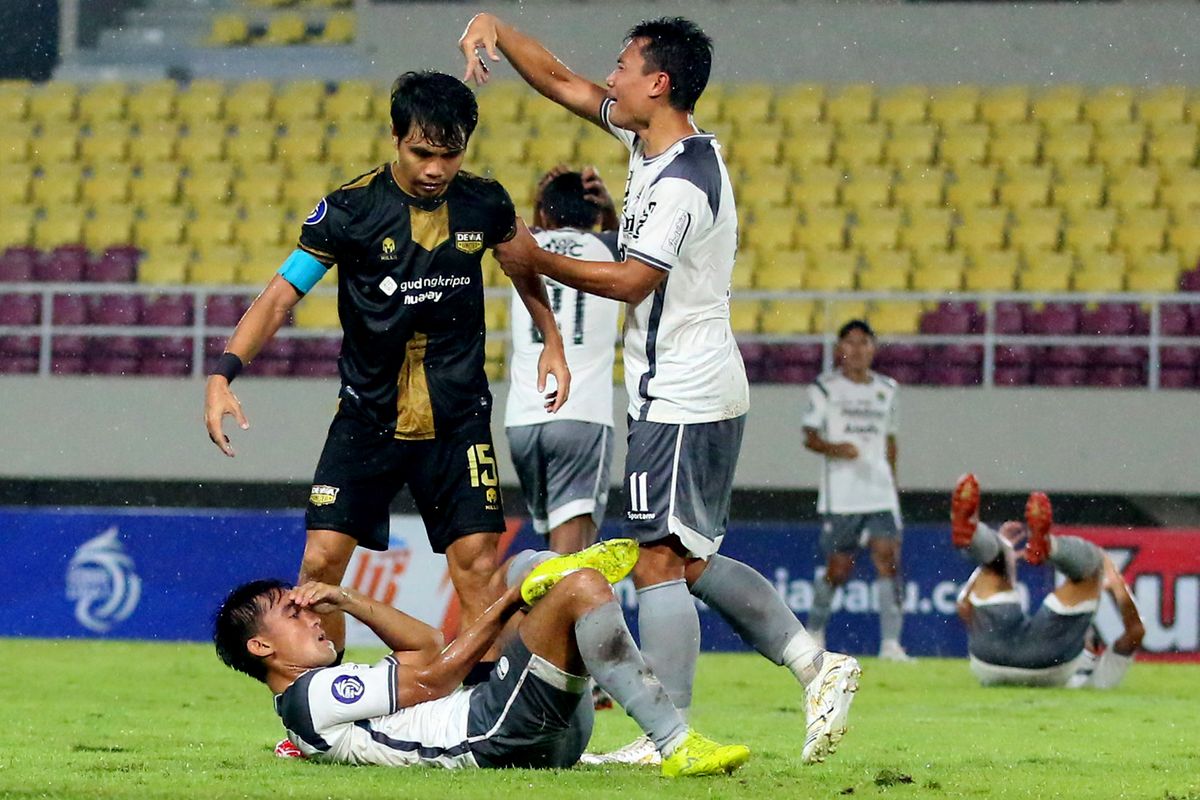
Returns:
<point x="479" y="673"/>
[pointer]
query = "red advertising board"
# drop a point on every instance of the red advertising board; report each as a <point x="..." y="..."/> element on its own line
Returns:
<point x="1162" y="568"/>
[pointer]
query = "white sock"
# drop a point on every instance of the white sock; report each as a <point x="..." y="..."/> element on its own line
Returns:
<point x="802" y="656"/>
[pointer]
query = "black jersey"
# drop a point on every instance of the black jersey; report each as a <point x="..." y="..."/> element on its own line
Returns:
<point x="410" y="295"/>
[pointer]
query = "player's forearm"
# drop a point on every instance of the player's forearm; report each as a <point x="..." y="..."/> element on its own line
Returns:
<point x="814" y="442"/>
<point x="1131" y="637"/>
<point x="448" y="669"/>
<point x="397" y="630"/>
<point x="532" y="291"/>
<point x="614" y="280"/>
<point x="893" y="456"/>
<point x="540" y="68"/>
<point x="263" y="319"/>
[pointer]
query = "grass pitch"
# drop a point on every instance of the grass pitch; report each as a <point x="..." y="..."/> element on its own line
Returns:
<point x="83" y="719"/>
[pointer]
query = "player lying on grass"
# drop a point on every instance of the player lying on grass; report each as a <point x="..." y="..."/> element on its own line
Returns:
<point x="1050" y="647"/>
<point x="411" y="708"/>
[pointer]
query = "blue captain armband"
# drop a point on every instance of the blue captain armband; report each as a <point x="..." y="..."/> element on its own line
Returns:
<point x="302" y="271"/>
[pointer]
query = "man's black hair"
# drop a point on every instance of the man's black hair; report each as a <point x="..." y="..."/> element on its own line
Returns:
<point x="441" y="107"/>
<point x="856" y="325"/>
<point x="565" y="205"/>
<point x="237" y="622"/>
<point x="678" y="47"/>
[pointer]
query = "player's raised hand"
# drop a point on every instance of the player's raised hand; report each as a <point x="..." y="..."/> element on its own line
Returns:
<point x="480" y="33"/>
<point x="320" y="597"/>
<point x="594" y="188"/>
<point x="220" y="402"/>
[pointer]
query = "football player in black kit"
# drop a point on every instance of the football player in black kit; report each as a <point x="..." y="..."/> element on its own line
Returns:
<point x="414" y="406"/>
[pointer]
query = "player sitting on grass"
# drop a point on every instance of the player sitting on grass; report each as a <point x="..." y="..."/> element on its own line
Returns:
<point x="411" y="707"/>
<point x="1048" y="648"/>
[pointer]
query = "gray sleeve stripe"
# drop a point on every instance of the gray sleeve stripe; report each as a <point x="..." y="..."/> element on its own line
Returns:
<point x="651" y="260"/>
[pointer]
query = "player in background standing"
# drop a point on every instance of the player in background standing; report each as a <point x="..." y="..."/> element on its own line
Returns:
<point x="851" y="422"/>
<point x="563" y="459"/>
<point x="414" y="406"/>
<point x="687" y="387"/>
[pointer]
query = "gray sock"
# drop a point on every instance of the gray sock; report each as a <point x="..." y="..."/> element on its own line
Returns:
<point x="822" y="605"/>
<point x="613" y="659"/>
<point x="669" y="629"/>
<point x="750" y="604"/>
<point x="1076" y="558"/>
<point x="891" y="615"/>
<point x="523" y="563"/>
<point x="985" y="546"/>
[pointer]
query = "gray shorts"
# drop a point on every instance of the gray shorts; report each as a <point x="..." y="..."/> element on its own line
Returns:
<point x="564" y="469"/>
<point x="845" y="533"/>
<point x="1002" y="634"/>
<point x="529" y="714"/>
<point x="679" y="481"/>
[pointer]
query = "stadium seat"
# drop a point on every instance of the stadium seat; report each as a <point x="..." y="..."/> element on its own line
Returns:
<point x="1120" y="144"/>
<point x="110" y="225"/>
<point x="878" y="229"/>
<point x="106" y="142"/>
<point x="1088" y="281"/>
<point x="920" y="187"/>
<point x="1098" y="261"/>
<point x="284" y="29"/>
<point x="1090" y="230"/>
<point x="964" y="143"/>
<point x="152" y="103"/>
<point x="787" y="317"/>
<point x="203" y="144"/>
<point x="972" y="186"/>
<point x="299" y="100"/>
<point x="1057" y="105"/>
<point x="927" y="229"/>
<point x="782" y="270"/>
<point x="53" y="103"/>
<point x="1034" y="234"/>
<point x="1078" y="187"/>
<point x="954" y="105"/>
<point x="1025" y="187"/>
<point x="831" y="271"/>
<point x="868" y="188"/>
<point x="162" y="227"/>
<point x="1109" y="105"/>
<point x="14" y="100"/>
<point x="56" y="145"/>
<point x="228" y="30"/>
<point x="338" y="29"/>
<point x="208" y="187"/>
<point x="304" y="142"/>
<point x="1016" y="144"/>
<point x="1044" y="280"/>
<point x="886" y="271"/>
<point x="16" y="138"/>
<point x="1173" y="145"/>
<point x="822" y="229"/>
<point x="16" y="229"/>
<point x="744" y="315"/>
<point x="809" y="143"/>
<point x="1163" y="105"/>
<point x="1184" y="238"/>
<point x="1068" y="144"/>
<point x="211" y="271"/>
<point x="799" y="104"/>
<point x="1004" y="105"/>
<point x="852" y="103"/>
<point x="905" y="105"/>
<point x="911" y="144"/>
<point x="750" y="105"/>
<point x="250" y="102"/>
<point x="1180" y="195"/>
<point x="352" y="100"/>
<point x="58" y="185"/>
<point x="939" y="272"/>
<point x="62" y="225"/>
<point x="991" y="271"/>
<point x="896" y="318"/>
<point x="859" y="143"/>
<point x="1142" y="230"/>
<point x="980" y="233"/>
<point x="253" y="144"/>
<point x="103" y="102"/>
<point x="1136" y="187"/>
<point x="203" y="101"/>
<point x="818" y="188"/>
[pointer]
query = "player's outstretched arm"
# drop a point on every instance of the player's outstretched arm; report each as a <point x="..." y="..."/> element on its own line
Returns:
<point x="1131" y="638"/>
<point x="410" y="640"/>
<point x="261" y="321"/>
<point x="532" y="61"/>
<point x="816" y="443"/>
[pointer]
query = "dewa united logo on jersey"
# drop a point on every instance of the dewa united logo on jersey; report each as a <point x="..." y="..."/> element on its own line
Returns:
<point x="469" y="242"/>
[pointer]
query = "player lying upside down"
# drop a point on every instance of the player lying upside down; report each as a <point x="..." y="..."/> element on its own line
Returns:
<point x="411" y="709"/>
<point x="1050" y="647"/>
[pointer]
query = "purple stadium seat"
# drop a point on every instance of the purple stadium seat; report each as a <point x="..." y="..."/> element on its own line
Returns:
<point x="114" y="355"/>
<point x="166" y="355"/>
<point x="16" y="264"/>
<point x="752" y="352"/>
<point x="64" y="264"/>
<point x="890" y="355"/>
<point x="960" y="355"/>
<point x="1060" y="376"/>
<point x="1066" y="356"/>
<point x="20" y="309"/>
<point x="18" y="365"/>
<point x="1134" y="357"/>
<point x="224" y="311"/>
<point x="167" y="309"/>
<point x="1175" y="378"/>
<point x="115" y="309"/>
<point x="1179" y="357"/>
<point x="951" y="375"/>
<point x="789" y="355"/>
<point x="1010" y="319"/>
<point x="314" y="368"/>
<point x="1173" y="320"/>
<point x="20" y="346"/>
<point x="1115" y="377"/>
<point x="791" y="373"/>
<point x="1194" y="327"/>
<point x="275" y="359"/>
<point x="904" y="374"/>
<point x="328" y="348"/>
<point x="116" y="265"/>
<point x="68" y="355"/>
<point x="1108" y="319"/>
<point x="1053" y="319"/>
<point x="1013" y="375"/>
<point x="1014" y="355"/>
<point x="1190" y="281"/>
<point x="947" y="319"/>
<point x="69" y="309"/>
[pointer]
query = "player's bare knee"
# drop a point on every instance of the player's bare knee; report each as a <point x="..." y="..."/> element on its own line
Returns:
<point x="324" y="565"/>
<point x="584" y="590"/>
<point x="838" y="575"/>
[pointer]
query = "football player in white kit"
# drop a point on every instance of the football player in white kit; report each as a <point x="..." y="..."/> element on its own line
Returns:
<point x="563" y="459"/>
<point x="851" y="421"/>
<point x="411" y="708"/>
<point x="687" y="387"/>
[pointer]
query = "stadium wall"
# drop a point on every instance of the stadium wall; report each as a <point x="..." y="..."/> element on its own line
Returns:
<point x="1145" y="42"/>
<point x="1082" y="440"/>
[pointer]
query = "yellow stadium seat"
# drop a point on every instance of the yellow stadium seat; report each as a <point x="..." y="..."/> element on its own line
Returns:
<point x="868" y="188"/>
<point x="782" y="271"/>
<point x="851" y="104"/>
<point x="495" y="313"/>
<point x="62" y="225"/>
<point x="546" y="152"/>
<point x="161" y="227"/>
<point x="1004" y="105"/>
<point x="1034" y="235"/>
<point x="860" y="143"/>
<point x="1173" y="145"/>
<point x="822" y="229"/>
<point x="104" y="102"/>
<point x="1085" y="281"/>
<point x="1078" y="187"/>
<point x="58" y="185"/>
<point x="1089" y="232"/>
<point x="972" y="188"/>
<point x="1057" y="105"/>
<point x="1147" y="262"/>
<point x="964" y="143"/>
<point x="54" y="102"/>
<point x="208" y="187"/>
<point x="939" y="272"/>
<point x="1068" y="144"/>
<point x="1162" y="106"/>
<point x="155" y="142"/>
<point x="878" y="229"/>
<point x="259" y="232"/>
<point x="886" y="271"/>
<point x="203" y="144"/>
<point x="249" y="103"/>
<point x="992" y="271"/>
<point x="300" y="100"/>
<point x="352" y="100"/>
<point x="1098" y="261"/>
<point x="927" y="229"/>
<point x="353" y="144"/>
<point x="499" y="147"/>
<point x="157" y="185"/>
<point x="768" y="236"/>
<point x="953" y="105"/>
<point x="55" y="146"/>
<point x="1181" y="197"/>
<point x="207" y="271"/>
<point x="107" y="186"/>
<point x="911" y="144"/>
<point x="1152" y="282"/>
<point x="16" y="227"/>
<point x="1026" y="186"/>
<point x="1016" y="144"/>
<point x="1135" y="238"/>
<point x="108" y="226"/>
<point x="1112" y="104"/>
<point x="753" y="149"/>
<point x="263" y="186"/>
<point x="977" y="236"/>
<point x="304" y="143"/>
<point x="1185" y="239"/>
<point x="744" y="315"/>
<point x="750" y="104"/>
<point x="744" y="269"/>
<point x="153" y="102"/>
<point x="228" y="30"/>
<point x="211" y="227"/>
<point x="1039" y="260"/>
<point x="317" y="311"/>
<point x="203" y="101"/>
<point x="830" y="277"/>
<point x="106" y="142"/>
<point x="828" y="316"/>
<point x="919" y="187"/>
<point x="163" y="267"/>
<point x="284" y="29"/>
<point x="1038" y="216"/>
<point x="1120" y="144"/>
<point x="338" y="29"/>
<point x="1136" y="187"/>
<point x="800" y="104"/>
<point x="14" y="100"/>
<point x="817" y="188"/>
<point x="1044" y="281"/>
<point x="809" y="143"/>
<point x="499" y="102"/>
<point x="904" y="106"/>
<point x="254" y="143"/>
<point x="895" y="317"/>
<point x="16" y="180"/>
<point x="16" y="139"/>
<point x="786" y="317"/>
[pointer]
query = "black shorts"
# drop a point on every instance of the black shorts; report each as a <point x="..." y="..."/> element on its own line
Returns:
<point x="453" y="479"/>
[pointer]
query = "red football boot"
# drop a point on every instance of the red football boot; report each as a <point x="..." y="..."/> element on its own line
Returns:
<point x="964" y="510"/>
<point x="1039" y="517"/>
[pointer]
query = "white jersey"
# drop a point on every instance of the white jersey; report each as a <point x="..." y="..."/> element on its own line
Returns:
<point x="348" y="714"/>
<point x="863" y="414"/>
<point x="682" y="364"/>
<point x="588" y="324"/>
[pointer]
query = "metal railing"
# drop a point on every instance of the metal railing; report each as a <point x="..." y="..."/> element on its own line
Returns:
<point x="826" y="302"/>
